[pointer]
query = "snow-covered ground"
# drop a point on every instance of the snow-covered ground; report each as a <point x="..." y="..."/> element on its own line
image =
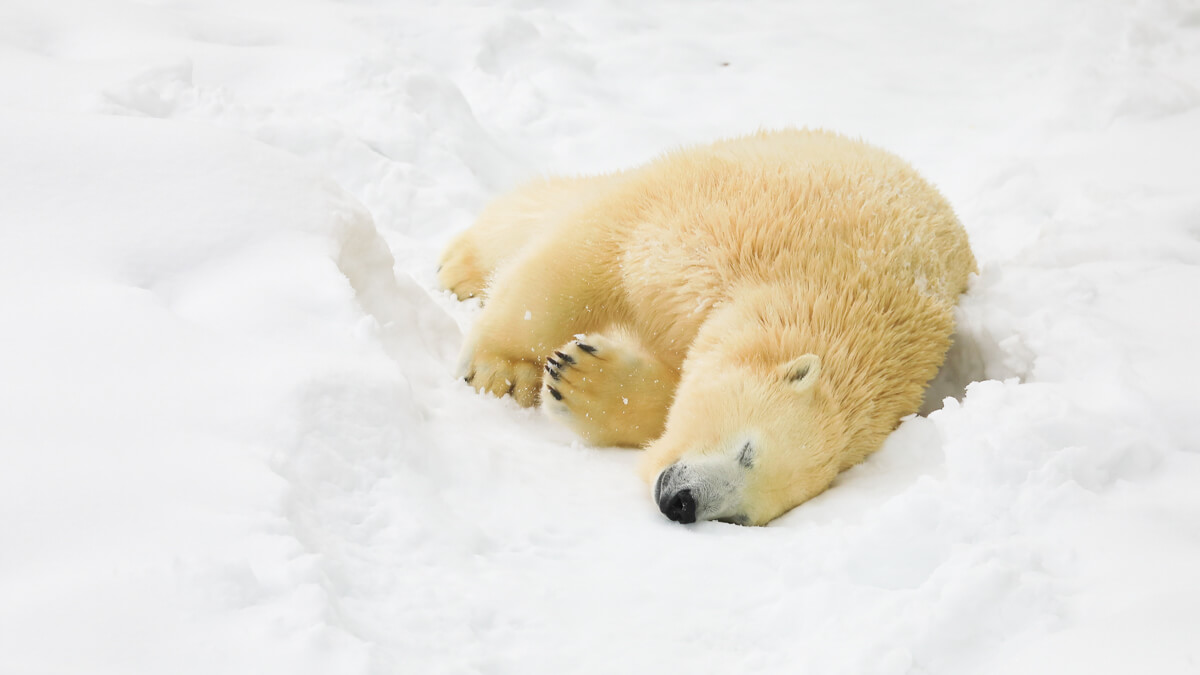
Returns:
<point x="230" y="438"/>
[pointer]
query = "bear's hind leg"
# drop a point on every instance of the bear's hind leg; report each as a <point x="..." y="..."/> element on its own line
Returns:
<point x="608" y="390"/>
<point x="504" y="229"/>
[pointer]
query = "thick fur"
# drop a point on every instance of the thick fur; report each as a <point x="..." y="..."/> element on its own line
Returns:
<point x="783" y="297"/>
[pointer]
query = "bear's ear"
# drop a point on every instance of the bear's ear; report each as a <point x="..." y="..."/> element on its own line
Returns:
<point x="801" y="373"/>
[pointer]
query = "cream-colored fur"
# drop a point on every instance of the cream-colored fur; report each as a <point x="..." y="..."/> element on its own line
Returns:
<point x="760" y="312"/>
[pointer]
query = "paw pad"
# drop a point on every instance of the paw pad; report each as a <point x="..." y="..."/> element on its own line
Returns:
<point x="561" y="361"/>
<point x="607" y="392"/>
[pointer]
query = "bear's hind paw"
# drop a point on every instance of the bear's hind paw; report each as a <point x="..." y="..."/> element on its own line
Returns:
<point x="460" y="271"/>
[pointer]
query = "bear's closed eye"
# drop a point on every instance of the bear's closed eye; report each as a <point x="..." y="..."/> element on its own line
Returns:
<point x="746" y="456"/>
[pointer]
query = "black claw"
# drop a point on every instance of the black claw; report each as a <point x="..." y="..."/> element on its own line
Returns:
<point x="469" y="377"/>
<point x="553" y="373"/>
<point x="566" y="358"/>
<point x="585" y="347"/>
<point x="554" y="363"/>
<point x="511" y="388"/>
<point x="554" y="392"/>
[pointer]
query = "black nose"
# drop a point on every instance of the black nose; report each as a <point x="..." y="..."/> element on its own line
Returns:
<point x="680" y="507"/>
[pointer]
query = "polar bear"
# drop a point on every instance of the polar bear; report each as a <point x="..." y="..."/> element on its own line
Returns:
<point x="758" y="313"/>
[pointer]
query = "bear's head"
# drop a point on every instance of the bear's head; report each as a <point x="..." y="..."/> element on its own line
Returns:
<point x="745" y="443"/>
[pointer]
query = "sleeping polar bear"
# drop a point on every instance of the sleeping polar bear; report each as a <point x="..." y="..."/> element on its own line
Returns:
<point x="758" y="313"/>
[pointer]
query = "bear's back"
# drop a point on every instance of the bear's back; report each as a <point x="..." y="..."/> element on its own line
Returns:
<point x="784" y="205"/>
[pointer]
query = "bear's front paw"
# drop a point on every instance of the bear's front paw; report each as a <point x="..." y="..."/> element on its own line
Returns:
<point x="608" y="392"/>
<point x="502" y="376"/>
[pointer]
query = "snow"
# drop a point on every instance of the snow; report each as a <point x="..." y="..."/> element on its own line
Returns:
<point x="231" y="438"/>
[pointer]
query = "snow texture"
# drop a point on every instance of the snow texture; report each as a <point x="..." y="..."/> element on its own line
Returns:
<point x="232" y="443"/>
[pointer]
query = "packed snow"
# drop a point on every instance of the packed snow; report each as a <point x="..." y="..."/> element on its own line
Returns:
<point x="231" y="438"/>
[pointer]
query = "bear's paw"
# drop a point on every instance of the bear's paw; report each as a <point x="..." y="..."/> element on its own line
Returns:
<point x="609" y="392"/>
<point x="460" y="271"/>
<point x="500" y="376"/>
